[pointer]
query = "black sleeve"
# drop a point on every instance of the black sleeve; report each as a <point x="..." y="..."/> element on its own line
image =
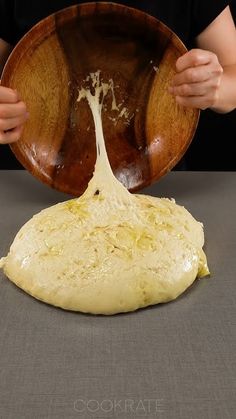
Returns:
<point x="233" y="9"/>
<point x="7" y="22"/>
<point x="205" y="12"/>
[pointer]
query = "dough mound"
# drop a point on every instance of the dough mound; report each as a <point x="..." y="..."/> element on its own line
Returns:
<point x="104" y="257"/>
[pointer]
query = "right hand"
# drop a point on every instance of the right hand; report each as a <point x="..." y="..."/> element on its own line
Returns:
<point x="13" y="114"/>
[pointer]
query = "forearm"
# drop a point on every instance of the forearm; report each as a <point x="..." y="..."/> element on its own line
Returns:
<point x="226" y="100"/>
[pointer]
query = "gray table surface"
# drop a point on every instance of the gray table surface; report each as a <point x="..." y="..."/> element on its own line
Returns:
<point x="175" y="360"/>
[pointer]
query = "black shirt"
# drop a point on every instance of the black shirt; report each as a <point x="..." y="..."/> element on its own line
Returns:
<point x="185" y="17"/>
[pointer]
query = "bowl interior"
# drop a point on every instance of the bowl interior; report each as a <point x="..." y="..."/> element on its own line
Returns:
<point x="138" y="53"/>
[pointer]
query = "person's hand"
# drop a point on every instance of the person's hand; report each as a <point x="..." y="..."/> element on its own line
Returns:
<point x="197" y="80"/>
<point x="13" y="114"/>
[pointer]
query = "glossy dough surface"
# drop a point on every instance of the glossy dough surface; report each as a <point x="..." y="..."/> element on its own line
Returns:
<point x="86" y="255"/>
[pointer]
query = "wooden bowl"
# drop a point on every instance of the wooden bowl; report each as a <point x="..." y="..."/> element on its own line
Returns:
<point x="134" y="49"/>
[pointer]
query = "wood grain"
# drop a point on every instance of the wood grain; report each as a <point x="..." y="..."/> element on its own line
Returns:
<point x="50" y="63"/>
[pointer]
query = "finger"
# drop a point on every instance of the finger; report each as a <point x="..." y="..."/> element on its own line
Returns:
<point x="8" y="95"/>
<point x="198" y="102"/>
<point x="196" y="89"/>
<point x="195" y="58"/>
<point x="12" y="110"/>
<point x="11" y="123"/>
<point x="11" y="136"/>
<point x="197" y="74"/>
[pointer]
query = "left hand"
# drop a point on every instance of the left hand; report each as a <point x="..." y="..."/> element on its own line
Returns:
<point x="198" y="78"/>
